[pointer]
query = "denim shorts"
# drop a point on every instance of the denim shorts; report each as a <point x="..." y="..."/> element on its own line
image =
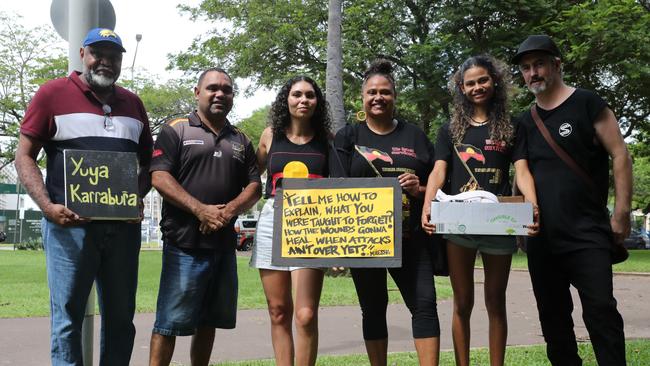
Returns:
<point x="198" y="288"/>
<point x="263" y="248"/>
<point x="488" y="244"/>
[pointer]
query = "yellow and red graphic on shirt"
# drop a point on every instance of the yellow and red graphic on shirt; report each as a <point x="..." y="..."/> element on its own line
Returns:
<point x="466" y="152"/>
<point x="371" y="154"/>
<point x="293" y="169"/>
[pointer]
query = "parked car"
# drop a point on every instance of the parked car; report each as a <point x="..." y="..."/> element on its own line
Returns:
<point x="245" y="229"/>
<point x="634" y="241"/>
<point x="646" y="238"/>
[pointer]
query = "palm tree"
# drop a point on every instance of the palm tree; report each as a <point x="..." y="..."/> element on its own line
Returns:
<point x="334" y="78"/>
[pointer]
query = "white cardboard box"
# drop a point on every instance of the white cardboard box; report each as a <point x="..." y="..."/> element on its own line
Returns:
<point x="481" y="218"/>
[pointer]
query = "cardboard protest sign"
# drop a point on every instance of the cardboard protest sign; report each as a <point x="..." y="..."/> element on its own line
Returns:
<point x="481" y="218"/>
<point x="351" y="222"/>
<point x="101" y="185"/>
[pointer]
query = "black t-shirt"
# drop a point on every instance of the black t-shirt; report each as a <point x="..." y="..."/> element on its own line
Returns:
<point x="406" y="149"/>
<point x="573" y="216"/>
<point x="312" y="157"/>
<point x="478" y="162"/>
<point x="214" y="169"/>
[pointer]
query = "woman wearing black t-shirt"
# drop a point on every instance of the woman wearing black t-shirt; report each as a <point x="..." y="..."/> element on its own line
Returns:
<point x="294" y="146"/>
<point x="474" y="152"/>
<point x="399" y="150"/>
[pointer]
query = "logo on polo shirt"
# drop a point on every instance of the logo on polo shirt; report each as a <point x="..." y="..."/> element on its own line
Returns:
<point x="565" y="129"/>
<point x="238" y="151"/>
<point x="217" y="154"/>
<point x="193" y="142"/>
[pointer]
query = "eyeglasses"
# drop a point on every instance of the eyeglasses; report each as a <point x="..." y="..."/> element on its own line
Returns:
<point x="108" y="120"/>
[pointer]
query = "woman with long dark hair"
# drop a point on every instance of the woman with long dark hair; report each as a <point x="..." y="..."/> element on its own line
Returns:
<point x="294" y="146"/>
<point x="407" y="155"/>
<point x="473" y="152"/>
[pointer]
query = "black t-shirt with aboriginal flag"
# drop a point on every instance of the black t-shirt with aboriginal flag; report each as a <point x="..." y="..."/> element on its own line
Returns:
<point x="478" y="162"/>
<point x="406" y="149"/>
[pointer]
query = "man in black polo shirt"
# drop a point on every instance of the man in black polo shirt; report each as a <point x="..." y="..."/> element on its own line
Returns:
<point x="573" y="247"/>
<point x="206" y="171"/>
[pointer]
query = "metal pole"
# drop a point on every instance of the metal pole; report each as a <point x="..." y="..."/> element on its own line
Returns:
<point x="17" y="211"/>
<point x="83" y="15"/>
<point x="138" y="38"/>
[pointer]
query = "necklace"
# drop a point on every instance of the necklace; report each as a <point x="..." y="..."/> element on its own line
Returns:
<point x="477" y="123"/>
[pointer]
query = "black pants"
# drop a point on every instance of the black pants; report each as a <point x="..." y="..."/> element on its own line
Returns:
<point x="590" y="272"/>
<point x="415" y="282"/>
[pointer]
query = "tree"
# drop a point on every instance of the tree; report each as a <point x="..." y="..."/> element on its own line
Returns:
<point x="334" y="73"/>
<point x="608" y="51"/>
<point x="28" y="60"/>
<point x="254" y="125"/>
<point x="163" y="102"/>
<point x="427" y="40"/>
<point x="641" y="176"/>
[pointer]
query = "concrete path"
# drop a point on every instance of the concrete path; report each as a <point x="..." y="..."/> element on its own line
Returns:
<point x="25" y="342"/>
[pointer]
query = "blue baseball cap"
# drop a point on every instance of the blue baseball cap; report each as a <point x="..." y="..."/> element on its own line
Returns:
<point x="97" y="35"/>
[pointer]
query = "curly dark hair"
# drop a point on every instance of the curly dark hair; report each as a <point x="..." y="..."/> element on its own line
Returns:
<point x="501" y="128"/>
<point x="279" y="117"/>
<point x="383" y="67"/>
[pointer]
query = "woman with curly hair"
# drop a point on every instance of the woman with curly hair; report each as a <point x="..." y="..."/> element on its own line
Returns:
<point x="406" y="154"/>
<point x="294" y="146"/>
<point x="474" y="152"/>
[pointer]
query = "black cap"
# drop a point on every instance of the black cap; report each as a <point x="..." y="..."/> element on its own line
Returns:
<point x="539" y="42"/>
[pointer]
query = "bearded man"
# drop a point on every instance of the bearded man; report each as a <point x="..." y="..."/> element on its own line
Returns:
<point x="86" y="111"/>
<point x="570" y="167"/>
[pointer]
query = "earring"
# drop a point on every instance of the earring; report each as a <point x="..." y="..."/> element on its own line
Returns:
<point x="361" y="116"/>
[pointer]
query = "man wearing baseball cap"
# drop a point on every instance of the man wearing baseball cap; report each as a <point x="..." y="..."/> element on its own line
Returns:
<point x="577" y="235"/>
<point x="86" y="111"/>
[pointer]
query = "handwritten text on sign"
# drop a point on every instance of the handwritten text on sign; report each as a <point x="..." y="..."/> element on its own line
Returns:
<point x="347" y="222"/>
<point x="93" y="174"/>
<point x="101" y="184"/>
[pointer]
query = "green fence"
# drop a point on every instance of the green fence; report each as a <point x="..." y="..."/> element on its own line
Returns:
<point x="21" y="230"/>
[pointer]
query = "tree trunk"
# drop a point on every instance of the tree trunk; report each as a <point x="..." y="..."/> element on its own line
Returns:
<point x="334" y="78"/>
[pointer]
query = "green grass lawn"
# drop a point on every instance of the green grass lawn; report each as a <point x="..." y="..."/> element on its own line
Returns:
<point x="24" y="292"/>
<point x="639" y="261"/>
<point x="638" y="354"/>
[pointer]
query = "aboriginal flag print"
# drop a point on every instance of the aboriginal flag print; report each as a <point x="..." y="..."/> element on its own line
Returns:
<point x="371" y="154"/>
<point x="466" y="152"/>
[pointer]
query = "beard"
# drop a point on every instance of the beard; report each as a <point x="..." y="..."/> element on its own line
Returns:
<point x="538" y="88"/>
<point x="98" y="81"/>
<point x="541" y="87"/>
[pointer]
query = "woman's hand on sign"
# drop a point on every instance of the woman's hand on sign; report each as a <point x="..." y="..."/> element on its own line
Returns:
<point x="427" y="226"/>
<point x="61" y="215"/>
<point x="410" y="183"/>
<point x="533" y="229"/>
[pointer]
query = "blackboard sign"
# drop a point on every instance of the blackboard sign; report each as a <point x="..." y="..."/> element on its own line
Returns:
<point x="351" y="222"/>
<point x="101" y="185"/>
